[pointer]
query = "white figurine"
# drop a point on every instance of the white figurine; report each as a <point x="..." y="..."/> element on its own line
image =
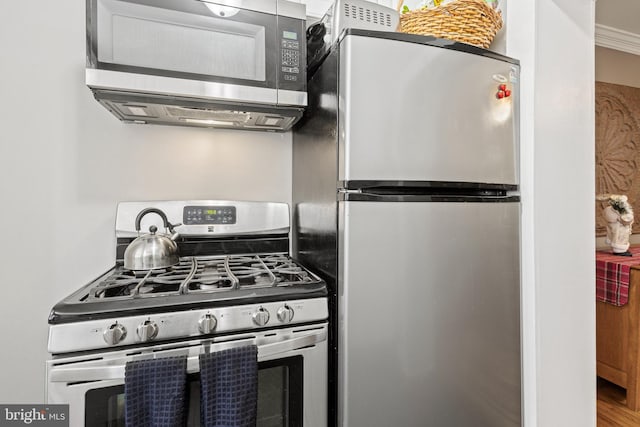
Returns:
<point x="619" y="217"/>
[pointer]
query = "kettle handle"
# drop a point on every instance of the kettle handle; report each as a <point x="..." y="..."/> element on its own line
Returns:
<point x="143" y="212"/>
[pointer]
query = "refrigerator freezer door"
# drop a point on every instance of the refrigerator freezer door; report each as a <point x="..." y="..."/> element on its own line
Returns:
<point x="429" y="303"/>
<point x="412" y="112"/>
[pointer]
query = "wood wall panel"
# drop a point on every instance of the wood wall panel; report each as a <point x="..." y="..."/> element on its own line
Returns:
<point x="617" y="145"/>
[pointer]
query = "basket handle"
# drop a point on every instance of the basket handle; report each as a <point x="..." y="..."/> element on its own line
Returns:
<point x="399" y="6"/>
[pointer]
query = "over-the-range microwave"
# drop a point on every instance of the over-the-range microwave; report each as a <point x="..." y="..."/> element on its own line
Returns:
<point x="220" y="63"/>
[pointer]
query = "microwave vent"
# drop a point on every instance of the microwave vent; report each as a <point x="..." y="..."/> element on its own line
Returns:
<point x="150" y="109"/>
<point x="366" y="14"/>
<point x="343" y="14"/>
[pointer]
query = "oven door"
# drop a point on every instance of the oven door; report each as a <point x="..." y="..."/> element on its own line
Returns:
<point x="195" y="48"/>
<point x="292" y="378"/>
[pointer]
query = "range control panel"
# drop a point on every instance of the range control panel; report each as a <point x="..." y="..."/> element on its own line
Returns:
<point x="171" y="325"/>
<point x="209" y="215"/>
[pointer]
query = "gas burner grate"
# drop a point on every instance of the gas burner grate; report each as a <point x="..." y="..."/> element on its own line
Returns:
<point x="204" y="275"/>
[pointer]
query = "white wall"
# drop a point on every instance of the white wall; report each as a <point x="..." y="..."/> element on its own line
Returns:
<point x="554" y="40"/>
<point x="617" y="67"/>
<point x="620" y="14"/>
<point x="64" y="164"/>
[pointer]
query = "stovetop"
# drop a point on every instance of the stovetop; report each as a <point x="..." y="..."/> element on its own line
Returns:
<point x="196" y="282"/>
<point x="204" y="274"/>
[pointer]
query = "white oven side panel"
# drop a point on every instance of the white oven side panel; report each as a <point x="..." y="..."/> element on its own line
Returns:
<point x="429" y="322"/>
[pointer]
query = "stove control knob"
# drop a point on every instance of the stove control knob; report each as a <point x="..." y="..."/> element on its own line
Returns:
<point x="207" y="323"/>
<point x="261" y="317"/>
<point x="147" y="331"/>
<point x="114" y="334"/>
<point x="285" y="314"/>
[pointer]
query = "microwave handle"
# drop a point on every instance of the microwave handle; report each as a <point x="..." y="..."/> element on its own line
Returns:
<point x="116" y="372"/>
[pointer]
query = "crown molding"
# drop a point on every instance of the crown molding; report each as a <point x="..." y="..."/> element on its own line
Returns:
<point x="614" y="38"/>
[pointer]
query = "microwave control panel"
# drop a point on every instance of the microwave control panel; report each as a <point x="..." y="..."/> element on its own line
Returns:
<point x="293" y="62"/>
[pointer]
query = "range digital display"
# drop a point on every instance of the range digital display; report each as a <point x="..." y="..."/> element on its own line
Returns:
<point x="209" y="215"/>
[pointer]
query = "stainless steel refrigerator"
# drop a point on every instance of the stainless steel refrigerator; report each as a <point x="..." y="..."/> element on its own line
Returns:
<point x="405" y="196"/>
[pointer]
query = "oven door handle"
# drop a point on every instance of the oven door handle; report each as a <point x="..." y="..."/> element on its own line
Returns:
<point x="273" y="349"/>
<point x="116" y="372"/>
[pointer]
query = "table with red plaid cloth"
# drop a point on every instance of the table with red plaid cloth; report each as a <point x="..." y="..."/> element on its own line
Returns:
<point x="612" y="275"/>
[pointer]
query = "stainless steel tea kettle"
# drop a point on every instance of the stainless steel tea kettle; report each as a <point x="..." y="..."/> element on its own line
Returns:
<point x="152" y="251"/>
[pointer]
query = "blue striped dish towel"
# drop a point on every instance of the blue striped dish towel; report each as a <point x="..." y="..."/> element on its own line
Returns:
<point x="229" y="387"/>
<point x="154" y="392"/>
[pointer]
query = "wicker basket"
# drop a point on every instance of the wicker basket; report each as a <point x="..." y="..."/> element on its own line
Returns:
<point x="469" y="21"/>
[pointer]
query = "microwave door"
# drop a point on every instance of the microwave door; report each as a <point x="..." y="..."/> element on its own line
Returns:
<point x="193" y="40"/>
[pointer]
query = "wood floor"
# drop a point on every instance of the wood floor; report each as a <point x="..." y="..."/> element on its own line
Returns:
<point x="612" y="409"/>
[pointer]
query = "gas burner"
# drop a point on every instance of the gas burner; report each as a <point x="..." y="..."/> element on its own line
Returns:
<point x="203" y="274"/>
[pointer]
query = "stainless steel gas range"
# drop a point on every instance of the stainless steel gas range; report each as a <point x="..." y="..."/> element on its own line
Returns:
<point x="233" y="285"/>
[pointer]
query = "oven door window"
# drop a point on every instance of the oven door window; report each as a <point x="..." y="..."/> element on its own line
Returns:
<point x="280" y="385"/>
